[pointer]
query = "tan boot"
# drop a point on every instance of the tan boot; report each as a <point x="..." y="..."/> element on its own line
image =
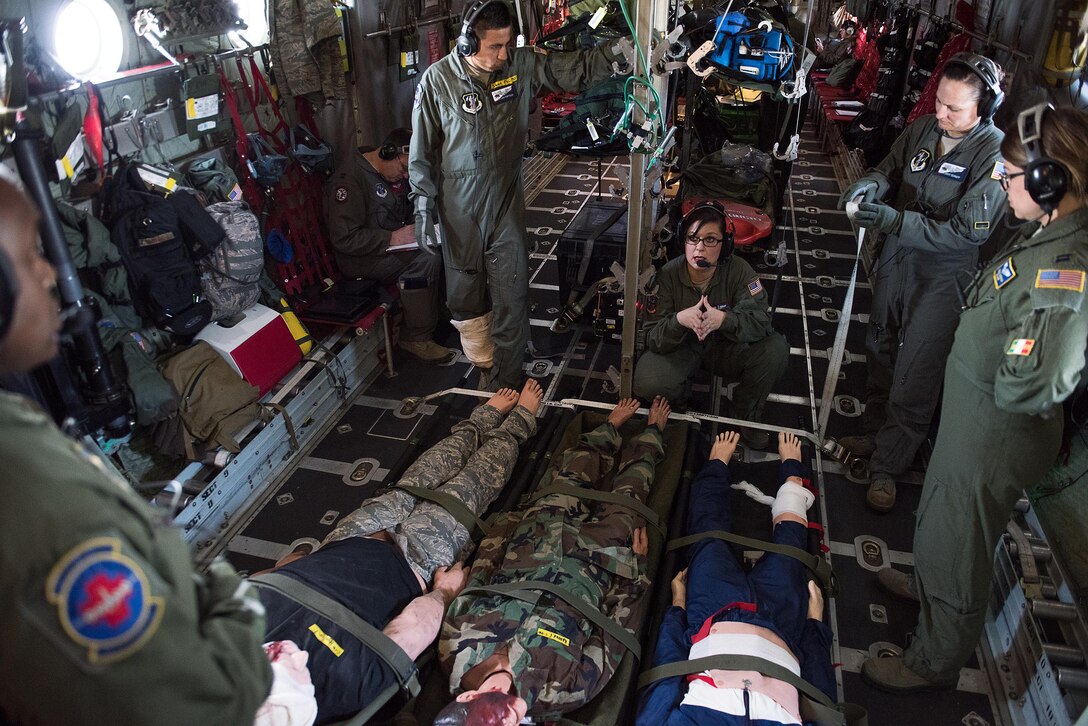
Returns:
<point x="881" y="494"/>
<point x="898" y="583"/>
<point x="476" y="340"/>
<point x="428" y="350"/>
<point x="891" y="674"/>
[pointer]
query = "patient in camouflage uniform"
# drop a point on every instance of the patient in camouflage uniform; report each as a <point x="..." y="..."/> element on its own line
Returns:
<point x="473" y="464"/>
<point x="548" y="656"/>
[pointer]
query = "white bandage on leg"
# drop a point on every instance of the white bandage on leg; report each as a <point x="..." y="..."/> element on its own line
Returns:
<point x="476" y="340"/>
<point x="792" y="499"/>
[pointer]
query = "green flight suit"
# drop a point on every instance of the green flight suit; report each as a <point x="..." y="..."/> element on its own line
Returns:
<point x="102" y="618"/>
<point x="362" y="211"/>
<point x="467" y="144"/>
<point x="745" y="349"/>
<point x="950" y="204"/>
<point x="1019" y="353"/>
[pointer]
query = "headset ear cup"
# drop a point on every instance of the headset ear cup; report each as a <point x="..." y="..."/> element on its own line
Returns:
<point x="1046" y="182"/>
<point x="387" y="152"/>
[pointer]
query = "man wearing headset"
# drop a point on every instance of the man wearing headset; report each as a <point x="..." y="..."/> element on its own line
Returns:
<point x="1019" y="354"/>
<point x="940" y="180"/>
<point x="470" y="118"/>
<point x="370" y="227"/>
<point x="101" y="615"/>
<point x="834" y="51"/>
<point x="709" y="311"/>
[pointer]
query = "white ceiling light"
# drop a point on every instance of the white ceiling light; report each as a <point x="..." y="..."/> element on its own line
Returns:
<point x="88" y="40"/>
<point x="252" y="13"/>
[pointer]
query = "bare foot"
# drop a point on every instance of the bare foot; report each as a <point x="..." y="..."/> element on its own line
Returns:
<point x="504" y="400"/>
<point x="623" y="412"/>
<point x="659" y="413"/>
<point x="531" y="393"/>
<point x="724" y="445"/>
<point x="789" y="446"/>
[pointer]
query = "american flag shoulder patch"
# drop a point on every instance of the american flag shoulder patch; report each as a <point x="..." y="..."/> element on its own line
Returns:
<point x="1060" y="280"/>
<point x="755" y="286"/>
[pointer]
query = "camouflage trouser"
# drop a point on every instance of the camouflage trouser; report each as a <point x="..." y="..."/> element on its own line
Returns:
<point x="473" y="464"/>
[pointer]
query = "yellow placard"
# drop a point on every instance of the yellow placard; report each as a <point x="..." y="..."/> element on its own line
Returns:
<point x="327" y="641"/>
<point x="553" y="636"/>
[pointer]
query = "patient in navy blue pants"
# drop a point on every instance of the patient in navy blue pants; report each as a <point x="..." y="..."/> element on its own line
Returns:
<point x="772" y="612"/>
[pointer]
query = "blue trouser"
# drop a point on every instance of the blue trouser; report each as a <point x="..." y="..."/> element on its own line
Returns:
<point x="776" y="584"/>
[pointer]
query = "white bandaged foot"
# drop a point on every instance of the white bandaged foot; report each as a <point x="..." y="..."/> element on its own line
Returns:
<point x="792" y="502"/>
<point x="476" y="340"/>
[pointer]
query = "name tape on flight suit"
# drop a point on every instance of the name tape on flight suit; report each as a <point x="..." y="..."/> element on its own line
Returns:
<point x="553" y="636"/>
<point x="103" y="600"/>
<point x="1021" y="346"/>
<point x="952" y="171"/>
<point x="1004" y="273"/>
<point x="504" y="89"/>
<point x="1060" y="280"/>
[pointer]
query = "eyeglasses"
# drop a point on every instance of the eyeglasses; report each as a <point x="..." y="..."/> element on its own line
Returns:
<point x="708" y="242"/>
<point x="1004" y="179"/>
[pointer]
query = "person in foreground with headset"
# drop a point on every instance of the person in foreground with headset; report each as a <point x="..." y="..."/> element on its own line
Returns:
<point x="369" y="220"/>
<point x="1019" y="353"/>
<point x="102" y="617"/>
<point x="710" y="311"/>
<point x="470" y="119"/>
<point x="941" y="182"/>
<point x="774" y="612"/>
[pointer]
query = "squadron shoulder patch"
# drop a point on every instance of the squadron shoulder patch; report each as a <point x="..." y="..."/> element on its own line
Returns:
<point x="341" y="194"/>
<point x="920" y="160"/>
<point x="755" y="287"/>
<point x="418" y="97"/>
<point x="381" y="191"/>
<point x="103" y="600"/>
<point x="1021" y="346"/>
<point x="1004" y="273"/>
<point x="1060" y="280"/>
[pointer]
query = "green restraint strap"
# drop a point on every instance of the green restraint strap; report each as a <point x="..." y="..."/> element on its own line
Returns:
<point x="457" y="509"/>
<point x="815" y="705"/>
<point x="621" y="500"/>
<point x="404" y="668"/>
<point x="529" y="591"/>
<point x="819" y="567"/>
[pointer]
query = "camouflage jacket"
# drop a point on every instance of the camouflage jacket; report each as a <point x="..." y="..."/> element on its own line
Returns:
<point x="559" y="658"/>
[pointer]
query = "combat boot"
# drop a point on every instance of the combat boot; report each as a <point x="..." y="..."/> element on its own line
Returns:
<point x="860" y="446"/>
<point x="428" y="350"/>
<point x="898" y="583"/>
<point x="891" y="674"/>
<point x="881" y="494"/>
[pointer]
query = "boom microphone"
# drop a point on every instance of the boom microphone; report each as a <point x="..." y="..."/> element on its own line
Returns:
<point x="704" y="264"/>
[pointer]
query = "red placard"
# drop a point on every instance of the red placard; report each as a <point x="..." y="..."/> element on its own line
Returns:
<point x="434" y="45"/>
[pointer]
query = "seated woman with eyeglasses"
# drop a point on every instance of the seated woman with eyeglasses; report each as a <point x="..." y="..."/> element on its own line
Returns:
<point x="709" y="311"/>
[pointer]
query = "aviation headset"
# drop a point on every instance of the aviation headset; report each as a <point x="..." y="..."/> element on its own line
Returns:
<point x="388" y="152"/>
<point x="468" y="43"/>
<point x="1046" y="180"/>
<point x="9" y="291"/>
<point x="729" y="230"/>
<point x="990" y="75"/>
<point x="851" y="28"/>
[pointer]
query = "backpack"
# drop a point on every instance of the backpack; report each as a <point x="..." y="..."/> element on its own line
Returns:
<point x="213" y="404"/>
<point x="751" y="45"/>
<point x="229" y="276"/>
<point x="588" y="130"/>
<point x="159" y="238"/>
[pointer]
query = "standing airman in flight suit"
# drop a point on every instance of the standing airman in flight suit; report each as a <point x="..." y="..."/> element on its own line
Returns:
<point x="369" y="217"/>
<point x="941" y="177"/>
<point x="1019" y="354"/>
<point x="470" y="118"/>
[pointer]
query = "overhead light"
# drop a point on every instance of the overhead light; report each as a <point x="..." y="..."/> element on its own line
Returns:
<point x="88" y="41"/>
<point x="252" y="13"/>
